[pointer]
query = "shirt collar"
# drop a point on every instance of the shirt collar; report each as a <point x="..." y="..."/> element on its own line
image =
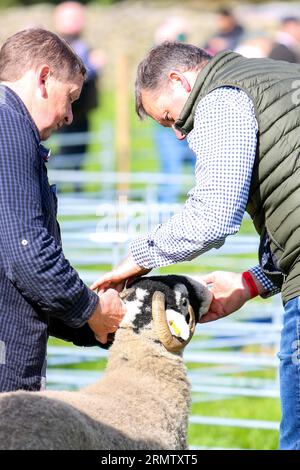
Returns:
<point x="14" y="101"/>
<point x="185" y="122"/>
<point x="44" y="152"/>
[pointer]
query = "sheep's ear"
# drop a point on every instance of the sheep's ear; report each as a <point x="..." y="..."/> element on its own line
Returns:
<point x="125" y="293"/>
<point x="200" y="296"/>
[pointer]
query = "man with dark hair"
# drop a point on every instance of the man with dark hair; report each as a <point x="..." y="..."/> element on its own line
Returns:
<point x="228" y="33"/>
<point x="242" y="119"/>
<point x="287" y="41"/>
<point x="41" y="293"/>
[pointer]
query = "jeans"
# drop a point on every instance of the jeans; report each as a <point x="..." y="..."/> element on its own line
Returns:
<point x="289" y="356"/>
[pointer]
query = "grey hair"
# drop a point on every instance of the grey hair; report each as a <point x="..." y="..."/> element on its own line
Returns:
<point x="152" y="71"/>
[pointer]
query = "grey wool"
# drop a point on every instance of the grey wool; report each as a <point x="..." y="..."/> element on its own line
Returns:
<point x="141" y="402"/>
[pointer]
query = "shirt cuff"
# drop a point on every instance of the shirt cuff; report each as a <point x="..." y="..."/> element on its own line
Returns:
<point x="83" y="310"/>
<point x="270" y="288"/>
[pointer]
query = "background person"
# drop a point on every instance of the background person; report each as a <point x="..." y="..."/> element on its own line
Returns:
<point x="287" y="41"/>
<point x="69" y="18"/>
<point x="228" y="34"/>
<point x="256" y="46"/>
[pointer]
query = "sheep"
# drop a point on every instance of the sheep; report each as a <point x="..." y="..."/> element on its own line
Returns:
<point x="143" y="399"/>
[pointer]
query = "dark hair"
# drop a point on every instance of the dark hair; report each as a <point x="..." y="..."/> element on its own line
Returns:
<point x="153" y="71"/>
<point x="30" y="48"/>
<point x="225" y="12"/>
<point x="289" y="19"/>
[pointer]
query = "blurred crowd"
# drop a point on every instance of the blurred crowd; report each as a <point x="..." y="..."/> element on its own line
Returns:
<point x="229" y="34"/>
<point x="174" y="156"/>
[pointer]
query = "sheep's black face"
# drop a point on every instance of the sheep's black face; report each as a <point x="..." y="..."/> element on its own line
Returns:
<point x="179" y="291"/>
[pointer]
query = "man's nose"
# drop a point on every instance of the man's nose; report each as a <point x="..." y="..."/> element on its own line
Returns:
<point x="178" y="134"/>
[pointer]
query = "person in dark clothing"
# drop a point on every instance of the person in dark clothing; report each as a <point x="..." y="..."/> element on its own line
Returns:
<point x="70" y="21"/>
<point x="40" y="293"/>
<point x="228" y="35"/>
<point x="287" y="41"/>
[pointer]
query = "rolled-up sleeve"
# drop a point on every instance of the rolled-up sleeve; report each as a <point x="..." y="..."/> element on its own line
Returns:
<point x="31" y="258"/>
<point x="224" y="140"/>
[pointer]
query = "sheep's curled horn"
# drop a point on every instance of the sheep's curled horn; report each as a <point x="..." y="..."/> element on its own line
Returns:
<point x="170" y="342"/>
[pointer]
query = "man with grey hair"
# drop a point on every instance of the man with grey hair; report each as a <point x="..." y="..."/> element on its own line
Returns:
<point x="242" y="119"/>
<point x="40" y="293"/>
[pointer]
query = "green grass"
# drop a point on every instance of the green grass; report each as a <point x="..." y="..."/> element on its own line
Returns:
<point x="141" y="134"/>
<point x="98" y="365"/>
<point x="58" y="342"/>
<point x="100" y="117"/>
<point x="231" y="437"/>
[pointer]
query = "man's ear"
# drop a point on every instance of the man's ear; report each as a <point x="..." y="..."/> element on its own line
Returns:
<point x="177" y="78"/>
<point x="43" y="74"/>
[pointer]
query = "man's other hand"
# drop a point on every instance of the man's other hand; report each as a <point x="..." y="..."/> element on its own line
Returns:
<point x="126" y="270"/>
<point x="107" y="316"/>
<point x="229" y="294"/>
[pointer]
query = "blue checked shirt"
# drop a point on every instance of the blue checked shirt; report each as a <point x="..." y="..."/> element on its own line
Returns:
<point x="40" y="293"/>
<point x="224" y="140"/>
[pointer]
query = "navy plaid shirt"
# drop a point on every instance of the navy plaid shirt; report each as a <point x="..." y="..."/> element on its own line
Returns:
<point x="40" y="293"/>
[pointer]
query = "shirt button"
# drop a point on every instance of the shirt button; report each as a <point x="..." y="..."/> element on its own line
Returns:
<point x="24" y="242"/>
<point x="150" y="243"/>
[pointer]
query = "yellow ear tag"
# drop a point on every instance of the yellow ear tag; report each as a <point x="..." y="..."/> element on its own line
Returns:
<point x="174" y="328"/>
<point x="177" y="324"/>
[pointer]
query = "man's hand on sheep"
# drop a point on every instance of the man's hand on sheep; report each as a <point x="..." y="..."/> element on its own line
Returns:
<point x="126" y="270"/>
<point x="230" y="293"/>
<point x="109" y="313"/>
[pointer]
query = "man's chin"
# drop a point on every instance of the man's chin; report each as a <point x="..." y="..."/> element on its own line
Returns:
<point x="46" y="134"/>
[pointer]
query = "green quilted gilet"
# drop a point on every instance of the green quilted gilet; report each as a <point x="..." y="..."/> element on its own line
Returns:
<point x="274" y="198"/>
